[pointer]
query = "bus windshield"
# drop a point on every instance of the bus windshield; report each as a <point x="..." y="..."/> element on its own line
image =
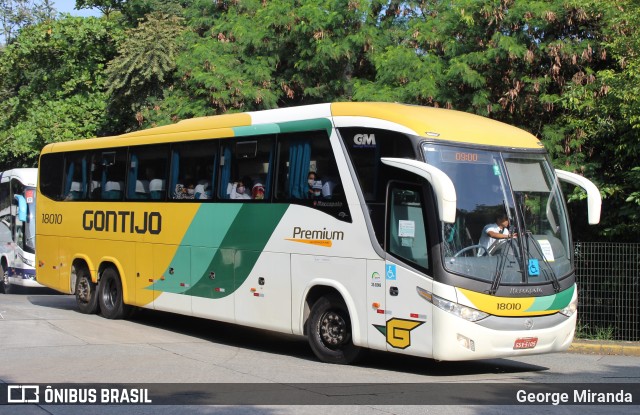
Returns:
<point x="511" y="193"/>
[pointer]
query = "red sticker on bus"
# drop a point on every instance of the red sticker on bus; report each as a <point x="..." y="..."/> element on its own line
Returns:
<point x="525" y="343"/>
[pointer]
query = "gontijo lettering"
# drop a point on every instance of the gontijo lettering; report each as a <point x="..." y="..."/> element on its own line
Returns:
<point x="122" y="221"/>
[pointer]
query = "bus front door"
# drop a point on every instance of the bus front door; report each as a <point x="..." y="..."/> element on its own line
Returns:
<point x="408" y="327"/>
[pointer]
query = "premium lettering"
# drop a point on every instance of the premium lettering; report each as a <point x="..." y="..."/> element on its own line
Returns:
<point x="122" y="221"/>
<point x="300" y="233"/>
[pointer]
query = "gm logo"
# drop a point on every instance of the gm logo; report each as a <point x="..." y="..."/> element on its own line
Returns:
<point x="364" y="140"/>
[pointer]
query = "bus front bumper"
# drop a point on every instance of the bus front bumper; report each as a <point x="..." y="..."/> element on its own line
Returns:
<point x="459" y="339"/>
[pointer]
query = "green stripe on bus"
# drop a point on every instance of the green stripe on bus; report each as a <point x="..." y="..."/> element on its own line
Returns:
<point x="563" y="299"/>
<point x="230" y="265"/>
<point x="542" y="303"/>
<point x="253" y="130"/>
<point x="208" y="228"/>
<point x="552" y="302"/>
<point x="306" y="125"/>
<point x="284" y="127"/>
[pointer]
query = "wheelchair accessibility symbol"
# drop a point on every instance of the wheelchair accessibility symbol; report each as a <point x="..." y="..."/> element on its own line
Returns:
<point x="534" y="267"/>
<point x="390" y="272"/>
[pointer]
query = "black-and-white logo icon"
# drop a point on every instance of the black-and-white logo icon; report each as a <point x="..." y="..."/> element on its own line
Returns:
<point x="23" y="394"/>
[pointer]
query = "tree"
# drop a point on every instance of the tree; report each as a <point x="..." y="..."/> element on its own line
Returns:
<point x="144" y="64"/>
<point x="105" y="6"/>
<point x="254" y="55"/>
<point x="52" y="85"/>
<point x="16" y="14"/>
<point x="540" y="65"/>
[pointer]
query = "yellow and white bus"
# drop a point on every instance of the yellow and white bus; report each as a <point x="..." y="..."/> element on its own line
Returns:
<point x="17" y="228"/>
<point x="357" y="225"/>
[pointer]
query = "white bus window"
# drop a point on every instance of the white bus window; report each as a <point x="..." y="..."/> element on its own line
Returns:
<point x="5" y="199"/>
<point x="365" y="147"/>
<point x="407" y="235"/>
<point x="245" y="169"/>
<point x="307" y="173"/>
<point x="5" y="232"/>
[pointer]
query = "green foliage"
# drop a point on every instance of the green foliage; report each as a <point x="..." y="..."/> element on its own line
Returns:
<point x="52" y="85"/>
<point x="568" y="71"/>
<point x="105" y="6"/>
<point x="253" y="55"/>
<point x="144" y="64"/>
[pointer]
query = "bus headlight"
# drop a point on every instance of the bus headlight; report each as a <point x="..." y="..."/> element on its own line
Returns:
<point x="571" y="308"/>
<point x="467" y="313"/>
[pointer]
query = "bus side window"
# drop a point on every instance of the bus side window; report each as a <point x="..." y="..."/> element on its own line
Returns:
<point x="108" y="171"/>
<point x="5" y="200"/>
<point x="193" y="170"/>
<point x="307" y="173"/>
<point x="249" y="162"/>
<point x="5" y="232"/>
<point x="50" y="175"/>
<point x="75" y="181"/>
<point x="407" y="232"/>
<point x="147" y="165"/>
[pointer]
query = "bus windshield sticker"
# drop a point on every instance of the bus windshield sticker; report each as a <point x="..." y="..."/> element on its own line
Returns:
<point x="406" y="229"/>
<point x="547" y="251"/>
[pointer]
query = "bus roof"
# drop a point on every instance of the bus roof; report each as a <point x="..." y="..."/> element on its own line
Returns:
<point x="27" y="176"/>
<point x="434" y="123"/>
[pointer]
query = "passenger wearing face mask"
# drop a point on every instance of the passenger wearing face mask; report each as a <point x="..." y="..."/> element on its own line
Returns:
<point x="185" y="191"/>
<point x="316" y="190"/>
<point x="311" y="180"/>
<point x="241" y="189"/>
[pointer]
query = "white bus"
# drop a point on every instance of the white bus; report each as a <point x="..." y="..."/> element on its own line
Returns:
<point x="17" y="228"/>
<point x="357" y="225"/>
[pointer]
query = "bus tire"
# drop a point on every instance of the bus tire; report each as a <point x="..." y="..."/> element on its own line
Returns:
<point x="110" y="297"/>
<point x="5" y="285"/>
<point x="329" y="331"/>
<point x="86" y="292"/>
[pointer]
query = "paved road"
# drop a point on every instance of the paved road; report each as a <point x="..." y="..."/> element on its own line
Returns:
<point x="45" y="340"/>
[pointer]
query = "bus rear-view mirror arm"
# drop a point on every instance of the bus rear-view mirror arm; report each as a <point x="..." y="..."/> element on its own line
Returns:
<point x="594" y="200"/>
<point x="442" y="185"/>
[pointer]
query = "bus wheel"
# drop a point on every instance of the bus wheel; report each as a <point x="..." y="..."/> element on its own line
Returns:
<point x="329" y="331"/>
<point x="86" y="292"/>
<point x="6" y="285"/>
<point x="110" y="299"/>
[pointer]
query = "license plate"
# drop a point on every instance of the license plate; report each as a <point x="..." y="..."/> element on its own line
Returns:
<point x="525" y="343"/>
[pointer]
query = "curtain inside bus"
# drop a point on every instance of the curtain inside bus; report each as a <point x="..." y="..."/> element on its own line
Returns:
<point x="225" y="172"/>
<point x="299" y="158"/>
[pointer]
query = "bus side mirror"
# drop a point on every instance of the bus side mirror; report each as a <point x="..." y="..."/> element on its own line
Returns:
<point x="594" y="200"/>
<point x="22" y="208"/>
<point x="442" y="185"/>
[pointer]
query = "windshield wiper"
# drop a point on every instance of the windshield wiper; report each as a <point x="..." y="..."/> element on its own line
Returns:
<point x="502" y="261"/>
